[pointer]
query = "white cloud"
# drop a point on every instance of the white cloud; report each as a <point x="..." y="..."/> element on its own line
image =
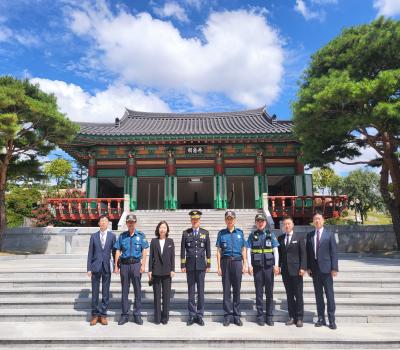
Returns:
<point x="387" y="7"/>
<point x="303" y="9"/>
<point x="325" y="2"/>
<point x="239" y="54"/>
<point x="21" y="37"/>
<point x="5" y="34"/>
<point x="103" y="106"/>
<point x="172" y="9"/>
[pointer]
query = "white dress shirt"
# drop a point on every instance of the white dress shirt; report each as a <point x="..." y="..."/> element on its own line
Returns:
<point x="315" y="239"/>
<point x="162" y="243"/>
<point x="103" y="238"/>
<point x="290" y="234"/>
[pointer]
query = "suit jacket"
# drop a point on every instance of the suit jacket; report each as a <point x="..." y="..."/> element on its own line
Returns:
<point x="294" y="257"/>
<point x="99" y="257"/>
<point x="161" y="264"/>
<point x="195" y="251"/>
<point x="327" y="252"/>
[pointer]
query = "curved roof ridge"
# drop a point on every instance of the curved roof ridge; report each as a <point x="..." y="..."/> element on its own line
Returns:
<point x="133" y="113"/>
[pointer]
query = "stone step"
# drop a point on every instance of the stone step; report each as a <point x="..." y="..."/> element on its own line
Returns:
<point x="79" y="335"/>
<point x="211" y="280"/>
<point x="180" y="302"/>
<point x="342" y="315"/>
<point x="115" y="290"/>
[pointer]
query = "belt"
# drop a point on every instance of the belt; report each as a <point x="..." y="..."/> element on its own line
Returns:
<point x="127" y="261"/>
<point x="261" y="251"/>
<point x="234" y="258"/>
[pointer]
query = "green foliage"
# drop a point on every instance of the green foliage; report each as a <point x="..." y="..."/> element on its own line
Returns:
<point x="30" y="126"/>
<point x="349" y="99"/>
<point x="30" y="119"/>
<point x="326" y="178"/>
<point x="352" y="84"/>
<point x="362" y="187"/>
<point x="58" y="169"/>
<point x="20" y="203"/>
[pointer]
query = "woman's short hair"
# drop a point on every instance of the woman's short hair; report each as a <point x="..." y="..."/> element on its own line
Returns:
<point x="158" y="228"/>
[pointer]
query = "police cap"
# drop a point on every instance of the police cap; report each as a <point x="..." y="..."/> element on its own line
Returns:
<point x="195" y="214"/>
<point x="260" y="217"/>
<point x="131" y="217"/>
<point x="230" y="214"/>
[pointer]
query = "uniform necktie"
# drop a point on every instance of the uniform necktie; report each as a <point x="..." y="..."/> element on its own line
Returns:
<point x="287" y="240"/>
<point x="318" y="240"/>
<point x="103" y="240"/>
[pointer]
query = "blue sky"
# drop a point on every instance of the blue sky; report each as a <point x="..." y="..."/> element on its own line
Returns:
<point x="99" y="57"/>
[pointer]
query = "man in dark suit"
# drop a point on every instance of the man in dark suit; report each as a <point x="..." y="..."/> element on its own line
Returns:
<point x="195" y="261"/>
<point x="293" y="264"/>
<point x="161" y="270"/>
<point x="100" y="267"/>
<point x="322" y="264"/>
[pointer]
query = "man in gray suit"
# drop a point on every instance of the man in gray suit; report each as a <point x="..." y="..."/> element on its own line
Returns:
<point x="322" y="265"/>
<point x="99" y="267"/>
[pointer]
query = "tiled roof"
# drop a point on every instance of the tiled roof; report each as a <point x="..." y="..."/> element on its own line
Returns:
<point x="255" y="121"/>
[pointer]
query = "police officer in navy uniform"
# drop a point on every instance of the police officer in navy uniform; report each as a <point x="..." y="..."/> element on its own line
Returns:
<point x="231" y="263"/>
<point x="195" y="261"/>
<point x="263" y="260"/>
<point x="131" y="256"/>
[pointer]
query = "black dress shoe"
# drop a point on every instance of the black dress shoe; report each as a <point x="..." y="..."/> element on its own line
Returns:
<point x="291" y="322"/>
<point x="164" y="322"/>
<point x="299" y="323"/>
<point x="157" y="322"/>
<point x="122" y="320"/>
<point x="321" y="322"/>
<point x="138" y="320"/>
<point x="227" y="322"/>
<point x="332" y="325"/>
<point x="190" y="321"/>
<point x="238" y="322"/>
<point x="260" y="322"/>
<point x="200" y="321"/>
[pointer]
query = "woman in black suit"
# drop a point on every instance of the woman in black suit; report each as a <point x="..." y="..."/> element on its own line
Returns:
<point x="161" y="270"/>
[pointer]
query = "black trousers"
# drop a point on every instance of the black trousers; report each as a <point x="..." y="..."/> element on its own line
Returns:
<point x="161" y="289"/>
<point x="231" y="280"/>
<point x="195" y="279"/>
<point x="264" y="280"/>
<point x="294" y="295"/>
<point x="324" y="282"/>
<point x="130" y="273"/>
<point x="105" y="277"/>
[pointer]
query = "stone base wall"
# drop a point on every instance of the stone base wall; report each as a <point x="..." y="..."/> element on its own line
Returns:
<point x="75" y="240"/>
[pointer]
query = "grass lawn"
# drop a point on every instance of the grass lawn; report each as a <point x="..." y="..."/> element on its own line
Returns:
<point x="373" y="218"/>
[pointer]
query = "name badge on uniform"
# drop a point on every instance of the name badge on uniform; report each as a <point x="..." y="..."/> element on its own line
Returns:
<point x="169" y="246"/>
<point x="238" y="236"/>
<point x="137" y="238"/>
<point x="203" y="236"/>
<point x="294" y="242"/>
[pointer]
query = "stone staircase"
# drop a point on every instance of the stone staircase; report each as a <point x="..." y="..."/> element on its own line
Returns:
<point x="45" y="302"/>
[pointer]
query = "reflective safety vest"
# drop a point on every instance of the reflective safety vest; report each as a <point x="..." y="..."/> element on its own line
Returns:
<point x="261" y="249"/>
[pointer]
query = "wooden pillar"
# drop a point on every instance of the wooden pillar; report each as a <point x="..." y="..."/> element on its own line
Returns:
<point x="171" y="183"/>
<point x="131" y="181"/>
<point x="220" y="192"/>
<point x="92" y="181"/>
<point x="260" y="180"/>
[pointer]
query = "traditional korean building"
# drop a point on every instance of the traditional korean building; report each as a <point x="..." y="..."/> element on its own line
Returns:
<point x="191" y="160"/>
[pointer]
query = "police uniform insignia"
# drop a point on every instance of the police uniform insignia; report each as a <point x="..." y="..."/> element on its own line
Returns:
<point x="203" y="236"/>
<point x="137" y="238"/>
<point x="238" y="236"/>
